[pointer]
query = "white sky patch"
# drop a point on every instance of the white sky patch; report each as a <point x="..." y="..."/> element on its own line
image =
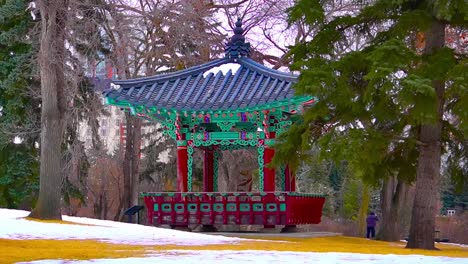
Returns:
<point x="164" y="156"/>
<point x="223" y="68"/>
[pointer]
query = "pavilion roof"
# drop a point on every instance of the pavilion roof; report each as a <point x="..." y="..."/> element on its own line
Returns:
<point x="207" y="88"/>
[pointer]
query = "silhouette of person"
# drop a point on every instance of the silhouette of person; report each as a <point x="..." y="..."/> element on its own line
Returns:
<point x="371" y="223"/>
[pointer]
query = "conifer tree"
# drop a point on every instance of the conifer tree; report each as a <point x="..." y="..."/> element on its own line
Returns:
<point x="18" y="160"/>
<point x="392" y="108"/>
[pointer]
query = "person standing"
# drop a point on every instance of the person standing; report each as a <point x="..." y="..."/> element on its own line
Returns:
<point x="371" y="223"/>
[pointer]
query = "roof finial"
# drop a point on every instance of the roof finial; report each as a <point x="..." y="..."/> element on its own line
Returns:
<point x="237" y="47"/>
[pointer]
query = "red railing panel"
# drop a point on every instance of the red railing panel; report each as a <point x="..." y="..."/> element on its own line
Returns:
<point x="272" y="208"/>
<point x="304" y="209"/>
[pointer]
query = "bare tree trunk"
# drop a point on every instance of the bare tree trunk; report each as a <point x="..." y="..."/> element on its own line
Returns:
<point x="136" y="159"/>
<point x="131" y="160"/>
<point x="127" y="162"/>
<point x="428" y="170"/>
<point x="393" y="195"/>
<point x="51" y="61"/>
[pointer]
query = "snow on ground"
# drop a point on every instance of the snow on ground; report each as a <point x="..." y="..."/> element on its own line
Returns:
<point x="13" y="226"/>
<point x="267" y="257"/>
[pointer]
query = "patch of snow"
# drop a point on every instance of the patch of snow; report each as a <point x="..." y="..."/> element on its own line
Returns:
<point x="268" y="257"/>
<point x="223" y="68"/>
<point x="453" y="244"/>
<point x="14" y="226"/>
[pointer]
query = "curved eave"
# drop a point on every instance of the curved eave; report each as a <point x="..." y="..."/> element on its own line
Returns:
<point x="253" y="65"/>
<point x="284" y="105"/>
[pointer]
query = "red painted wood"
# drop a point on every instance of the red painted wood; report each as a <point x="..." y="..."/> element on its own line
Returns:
<point x="299" y="209"/>
<point x="149" y="208"/>
<point x="159" y="200"/>
<point x="208" y="171"/>
<point x="182" y="157"/>
<point x="225" y="217"/>
<point x="304" y="209"/>
<point x="268" y="173"/>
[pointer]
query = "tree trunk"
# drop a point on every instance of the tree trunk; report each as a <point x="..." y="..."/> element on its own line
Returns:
<point x="51" y="61"/>
<point x="131" y="160"/>
<point x="428" y="170"/>
<point x="392" y="197"/>
<point x="136" y="159"/>
<point x="363" y="210"/>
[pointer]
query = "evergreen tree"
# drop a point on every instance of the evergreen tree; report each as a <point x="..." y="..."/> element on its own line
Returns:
<point x="453" y="197"/>
<point x="18" y="118"/>
<point x="19" y="177"/>
<point x="390" y="107"/>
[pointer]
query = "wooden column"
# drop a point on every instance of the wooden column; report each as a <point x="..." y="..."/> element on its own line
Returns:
<point x="208" y="171"/>
<point x="208" y="181"/>
<point x="182" y="157"/>
<point x="268" y="173"/>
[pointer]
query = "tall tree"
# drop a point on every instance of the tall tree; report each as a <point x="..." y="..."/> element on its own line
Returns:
<point x="51" y="61"/>
<point x="388" y="108"/>
<point x="19" y="120"/>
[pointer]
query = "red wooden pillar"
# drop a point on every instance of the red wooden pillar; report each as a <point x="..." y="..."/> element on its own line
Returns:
<point x="208" y="171"/>
<point x="182" y="157"/>
<point x="268" y="180"/>
<point x="289" y="179"/>
<point x="268" y="173"/>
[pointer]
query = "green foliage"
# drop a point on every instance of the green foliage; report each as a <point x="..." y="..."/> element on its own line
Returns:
<point x="15" y="56"/>
<point x="19" y="175"/>
<point x="451" y="197"/>
<point x="19" y="113"/>
<point x="309" y="10"/>
<point x="352" y="198"/>
<point x="373" y="100"/>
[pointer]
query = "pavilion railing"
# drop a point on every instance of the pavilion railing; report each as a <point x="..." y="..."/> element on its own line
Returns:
<point x="251" y="208"/>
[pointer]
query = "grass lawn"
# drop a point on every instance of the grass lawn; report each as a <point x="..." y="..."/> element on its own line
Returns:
<point x="30" y="250"/>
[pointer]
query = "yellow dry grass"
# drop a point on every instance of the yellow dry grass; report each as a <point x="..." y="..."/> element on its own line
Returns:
<point x="335" y="244"/>
<point x="12" y="250"/>
<point x="55" y="221"/>
<point x="29" y="250"/>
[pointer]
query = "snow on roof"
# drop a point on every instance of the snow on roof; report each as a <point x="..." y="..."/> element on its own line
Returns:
<point x="224" y="68"/>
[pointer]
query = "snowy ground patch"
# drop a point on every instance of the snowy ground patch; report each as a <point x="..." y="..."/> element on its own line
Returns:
<point x="14" y="226"/>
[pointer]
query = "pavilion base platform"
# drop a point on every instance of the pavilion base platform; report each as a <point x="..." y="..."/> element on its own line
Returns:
<point x="181" y="228"/>
<point x="289" y="229"/>
<point x="269" y="209"/>
<point x="208" y="229"/>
